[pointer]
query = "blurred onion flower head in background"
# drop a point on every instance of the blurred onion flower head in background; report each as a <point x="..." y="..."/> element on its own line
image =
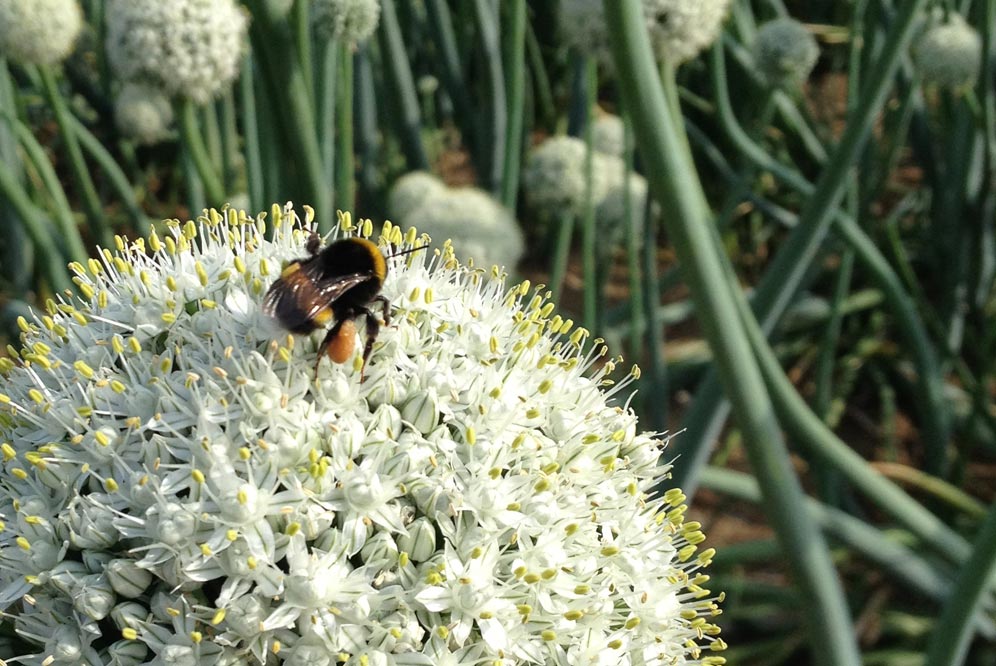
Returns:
<point x="785" y="52"/>
<point x="679" y="29"/>
<point x="143" y="113"/>
<point x="608" y="135"/>
<point x="410" y="191"/>
<point x="950" y="53"/>
<point x="180" y="488"/>
<point x="351" y="21"/>
<point x="39" y="32"/>
<point x="189" y="48"/>
<point x="479" y="227"/>
<point x="554" y="176"/>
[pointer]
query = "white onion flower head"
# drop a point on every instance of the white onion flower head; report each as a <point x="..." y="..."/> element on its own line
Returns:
<point x="409" y="192"/>
<point x="348" y="20"/>
<point x="950" y="54"/>
<point x="143" y="113"/>
<point x="554" y="176"/>
<point x="785" y="52"/>
<point x="39" y="32"/>
<point x="582" y="26"/>
<point x="173" y="463"/>
<point x="479" y="227"/>
<point x="609" y="135"/>
<point x="611" y="212"/>
<point x="680" y="29"/>
<point x="189" y="48"/>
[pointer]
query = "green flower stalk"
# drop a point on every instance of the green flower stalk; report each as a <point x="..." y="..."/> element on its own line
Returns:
<point x="39" y="32"/>
<point x="181" y="486"/>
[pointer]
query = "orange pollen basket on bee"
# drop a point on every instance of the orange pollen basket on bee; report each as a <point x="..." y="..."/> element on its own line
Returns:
<point x="341" y="348"/>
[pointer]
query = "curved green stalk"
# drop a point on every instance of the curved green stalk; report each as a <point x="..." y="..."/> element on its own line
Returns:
<point x="301" y="18"/>
<point x="514" y="55"/>
<point x="818" y="440"/>
<point x="32" y="220"/>
<point x="101" y="234"/>
<point x="17" y="256"/>
<point x="953" y="632"/>
<point x="75" y="250"/>
<point x="193" y="142"/>
<point x="675" y="182"/>
<point x="115" y="176"/>
<point x="546" y="109"/>
<point x="787" y="271"/>
<point x="903" y="563"/>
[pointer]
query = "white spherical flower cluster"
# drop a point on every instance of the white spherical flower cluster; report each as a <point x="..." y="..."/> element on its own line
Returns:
<point x="582" y="26"/>
<point x="479" y="227"/>
<point x="611" y="210"/>
<point x="39" y="32"/>
<point x="608" y="135"/>
<point x="554" y="176"/>
<point x="189" y="48"/>
<point x="348" y="20"/>
<point x="950" y="54"/>
<point x="680" y="29"/>
<point x="785" y="52"/>
<point x="410" y="191"/>
<point x="179" y="487"/>
<point x="143" y="113"/>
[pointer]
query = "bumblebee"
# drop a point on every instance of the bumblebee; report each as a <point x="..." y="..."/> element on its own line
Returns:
<point x="335" y="285"/>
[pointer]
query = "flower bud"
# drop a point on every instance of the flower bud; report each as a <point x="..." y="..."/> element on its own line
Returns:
<point x="90" y="525"/>
<point x="127" y="653"/>
<point x="381" y="547"/>
<point x="127" y="578"/>
<point x="94" y="597"/>
<point x="65" y="645"/>
<point x="420" y="541"/>
<point x="129" y="614"/>
<point x="422" y="411"/>
<point x="785" y="52"/>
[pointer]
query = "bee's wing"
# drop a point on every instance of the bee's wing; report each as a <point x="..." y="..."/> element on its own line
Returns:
<point x="296" y="298"/>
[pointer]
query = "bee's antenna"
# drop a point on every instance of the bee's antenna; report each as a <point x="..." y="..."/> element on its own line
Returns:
<point x="408" y="251"/>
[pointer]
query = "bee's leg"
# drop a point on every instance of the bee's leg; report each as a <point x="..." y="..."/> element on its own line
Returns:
<point x="373" y="329"/>
<point x="323" y="348"/>
<point x="386" y="305"/>
<point x="314" y="243"/>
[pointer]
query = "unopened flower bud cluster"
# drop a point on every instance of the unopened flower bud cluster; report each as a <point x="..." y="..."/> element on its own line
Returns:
<point x="181" y="488"/>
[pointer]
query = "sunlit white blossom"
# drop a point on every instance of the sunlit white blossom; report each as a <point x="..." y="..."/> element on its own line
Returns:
<point x="179" y="486"/>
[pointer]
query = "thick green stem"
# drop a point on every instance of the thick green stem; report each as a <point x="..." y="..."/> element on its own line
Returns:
<point x="250" y="133"/>
<point x="590" y="279"/>
<point x="514" y="56"/>
<point x="496" y="118"/>
<point x="675" y="182"/>
<point x="94" y="210"/>
<point x="193" y="142"/>
<point x="399" y="77"/>
<point x="345" y="161"/>
<point x="561" y="252"/>
<point x="953" y="633"/>
<point x="33" y="223"/>
<point x="74" y="248"/>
